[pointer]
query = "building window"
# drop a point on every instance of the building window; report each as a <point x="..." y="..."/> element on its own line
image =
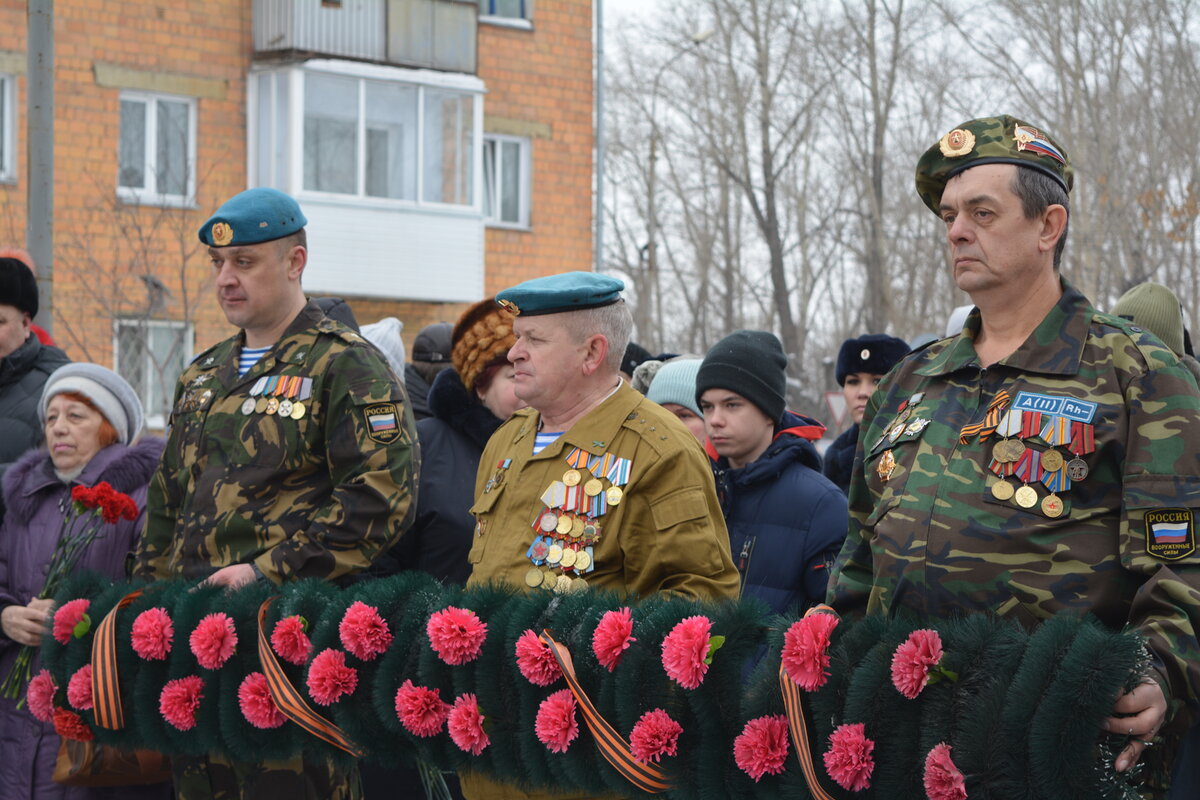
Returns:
<point x="506" y="179"/>
<point x="511" y="9"/>
<point x="367" y="137"/>
<point x="8" y="91"/>
<point x="157" y="160"/>
<point x="151" y="354"/>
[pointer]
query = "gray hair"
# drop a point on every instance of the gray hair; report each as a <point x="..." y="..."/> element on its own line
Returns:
<point x="614" y="322"/>
<point x="1037" y="191"/>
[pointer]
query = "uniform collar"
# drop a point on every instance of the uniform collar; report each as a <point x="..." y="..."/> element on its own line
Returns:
<point x="596" y="431"/>
<point x="1054" y="348"/>
<point x="292" y="348"/>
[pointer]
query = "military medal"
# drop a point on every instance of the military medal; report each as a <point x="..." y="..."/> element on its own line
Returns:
<point x="1003" y="490"/>
<point x="593" y="487"/>
<point x="583" y="561"/>
<point x="1052" y="506"/>
<point x="533" y="577"/>
<point x="577" y="527"/>
<point x="548" y="580"/>
<point x="572" y="477"/>
<point x="548" y="521"/>
<point x="886" y="465"/>
<point x="260" y="407"/>
<point x="555" y="554"/>
<point x="1083" y="441"/>
<point x="285" y="408"/>
<point x="1052" y="460"/>
<point x="915" y="427"/>
<point x="564" y="525"/>
<point x="562" y="585"/>
<point x="272" y="405"/>
<point x="248" y="406"/>
<point x="614" y="495"/>
<point x="1077" y="469"/>
<point x="568" y="558"/>
<point x="1026" y="497"/>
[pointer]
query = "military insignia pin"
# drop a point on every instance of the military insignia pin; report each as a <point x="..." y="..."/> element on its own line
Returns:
<point x="510" y="307"/>
<point x="1032" y="140"/>
<point x="1170" y="533"/>
<point x="222" y="234"/>
<point x="957" y="143"/>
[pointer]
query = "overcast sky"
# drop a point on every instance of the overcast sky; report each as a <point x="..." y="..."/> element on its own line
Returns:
<point x="615" y="10"/>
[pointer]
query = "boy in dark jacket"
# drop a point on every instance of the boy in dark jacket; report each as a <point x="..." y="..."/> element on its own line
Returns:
<point x="786" y="520"/>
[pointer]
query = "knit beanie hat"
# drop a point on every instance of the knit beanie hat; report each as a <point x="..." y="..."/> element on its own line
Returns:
<point x="107" y="390"/>
<point x="675" y="382"/>
<point x="482" y="337"/>
<point x="751" y="363"/>
<point x="385" y="334"/>
<point x="1156" y="308"/>
<point x="18" y="287"/>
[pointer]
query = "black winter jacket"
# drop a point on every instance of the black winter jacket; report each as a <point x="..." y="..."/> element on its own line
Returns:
<point x="839" y="458"/>
<point x="452" y="441"/>
<point x="23" y="374"/>
<point x="786" y="520"/>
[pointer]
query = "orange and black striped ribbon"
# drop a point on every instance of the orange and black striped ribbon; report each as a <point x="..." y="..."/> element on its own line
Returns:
<point x="798" y="725"/>
<point x="615" y="749"/>
<point x="289" y="700"/>
<point x="991" y="419"/>
<point x="106" y="685"/>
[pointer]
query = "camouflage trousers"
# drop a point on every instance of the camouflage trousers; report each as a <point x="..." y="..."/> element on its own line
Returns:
<point x="301" y="778"/>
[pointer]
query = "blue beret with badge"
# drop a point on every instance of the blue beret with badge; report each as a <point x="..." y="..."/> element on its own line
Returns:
<point x="254" y="216"/>
<point x="554" y="294"/>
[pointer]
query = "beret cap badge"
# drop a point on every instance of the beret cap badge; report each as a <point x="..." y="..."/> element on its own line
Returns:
<point x="222" y="234"/>
<point x="510" y="307"/>
<point x="956" y="143"/>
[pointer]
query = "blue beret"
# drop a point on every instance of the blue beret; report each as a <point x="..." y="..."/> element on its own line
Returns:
<point x="874" y="353"/>
<point x="570" y="291"/>
<point x="255" y="215"/>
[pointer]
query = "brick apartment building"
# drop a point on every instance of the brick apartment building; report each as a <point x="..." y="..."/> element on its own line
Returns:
<point x="441" y="149"/>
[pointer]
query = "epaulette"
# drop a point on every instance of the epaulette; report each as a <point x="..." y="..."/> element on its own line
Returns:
<point x="196" y="358"/>
<point x="343" y="332"/>
<point x="1149" y="345"/>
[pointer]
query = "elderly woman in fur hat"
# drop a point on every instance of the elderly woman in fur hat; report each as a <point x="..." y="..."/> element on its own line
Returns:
<point x="91" y="419"/>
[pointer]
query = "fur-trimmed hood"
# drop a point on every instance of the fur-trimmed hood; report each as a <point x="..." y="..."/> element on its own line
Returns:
<point x="126" y="467"/>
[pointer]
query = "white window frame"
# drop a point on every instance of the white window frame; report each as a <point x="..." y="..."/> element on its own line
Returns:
<point x="8" y="132"/>
<point x="293" y="181"/>
<point x="524" y="175"/>
<point x="154" y="417"/>
<point x="143" y="195"/>
<point x="524" y="22"/>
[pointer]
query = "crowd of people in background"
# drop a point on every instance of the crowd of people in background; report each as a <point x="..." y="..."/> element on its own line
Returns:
<point x="686" y="473"/>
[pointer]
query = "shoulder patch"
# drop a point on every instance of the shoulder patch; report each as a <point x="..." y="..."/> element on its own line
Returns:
<point x="1170" y="533"/>
<point x="383" y="422"/>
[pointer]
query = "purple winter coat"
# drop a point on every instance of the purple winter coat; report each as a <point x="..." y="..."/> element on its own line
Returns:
<point x="36" y="499"/>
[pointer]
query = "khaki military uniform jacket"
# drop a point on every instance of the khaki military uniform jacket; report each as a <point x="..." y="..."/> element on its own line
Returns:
<point x="666" y="534"/>
<point x="317" y="496"/>
<point x="927" y="531"/>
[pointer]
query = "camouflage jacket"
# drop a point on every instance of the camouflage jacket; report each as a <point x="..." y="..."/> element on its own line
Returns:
<point x="316" y="496"/>
<point x="927" y="532"/>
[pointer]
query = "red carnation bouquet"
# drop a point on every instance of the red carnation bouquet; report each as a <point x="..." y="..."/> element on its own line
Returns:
<point x="97" y="506"/>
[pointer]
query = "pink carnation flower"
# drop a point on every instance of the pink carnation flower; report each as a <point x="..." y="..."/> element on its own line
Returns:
<point x="685" y="649"/>
<point x="762" y="746"/>
<point x="79" y="688"/>
<point x="913" y="660"/>
<point x="179" y="701"/>
<point x="329" y="679"/>
<point x="68" y="615"/>
<point x="152" y="634"/>
<point x="254" y="698"/>
<point x="456" y="635"/>
<point x="70" y="725"/>
<point x="421" y="710"/>
<point x="655" y="735"/>
<point x="465" y="724"/>
<point x="290" y="642"/>
<point x="806" y="650"/>
<point x="848" y="760"/>
<point x="214" y="640"/>
<point x="612" y="637"/>
<point x="943" y="781"/>
<point x="535" y="660"/>
<point x="556" y="726"/>
<point x="40" y="696"/>
<point x="363" y="632"/>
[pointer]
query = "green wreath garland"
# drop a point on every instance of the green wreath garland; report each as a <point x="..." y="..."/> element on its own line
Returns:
<point x="991" y="711"/>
